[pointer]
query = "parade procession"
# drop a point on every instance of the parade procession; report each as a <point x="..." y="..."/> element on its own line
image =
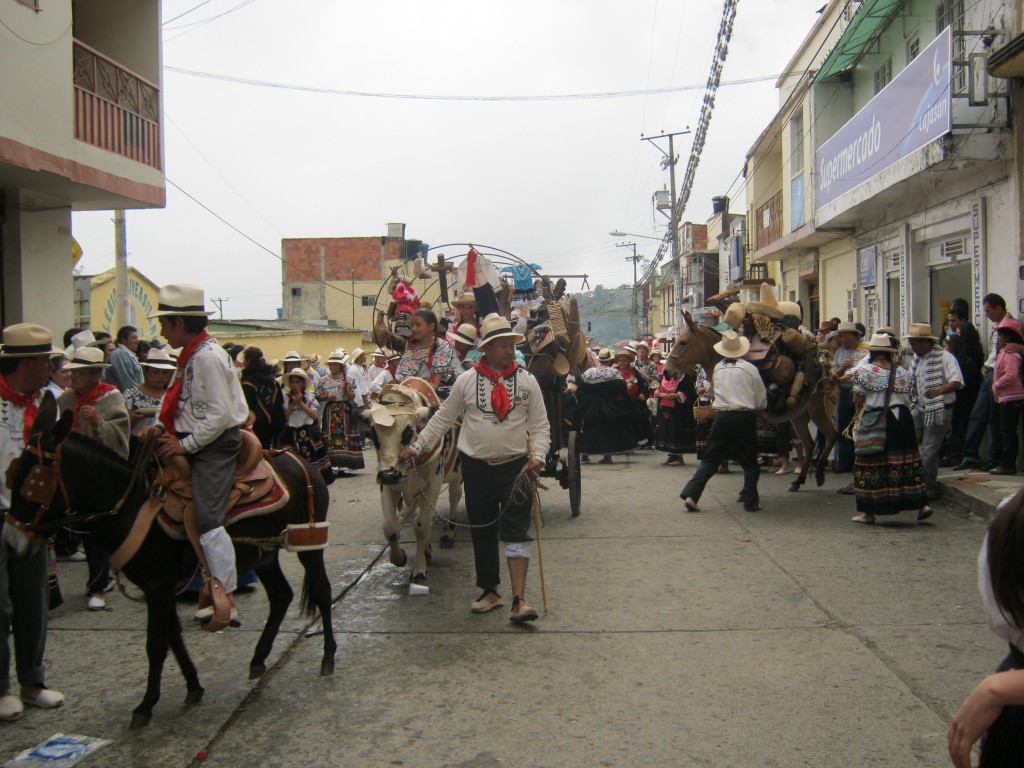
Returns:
<point x="710" y="455"/>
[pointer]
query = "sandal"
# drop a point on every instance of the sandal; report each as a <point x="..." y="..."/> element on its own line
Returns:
<point x="521" y="612"/>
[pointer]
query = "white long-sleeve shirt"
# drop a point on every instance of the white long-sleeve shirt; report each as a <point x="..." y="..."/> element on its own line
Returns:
<point x="483" y="436"/>
<point x="211" y="398"/>
<point x="12" y="440"/>
<point x="738" y="387"/>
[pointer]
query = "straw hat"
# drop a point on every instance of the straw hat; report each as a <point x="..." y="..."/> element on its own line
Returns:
<point x="636" y="347"/>
<point x="27" y="340"/>
<point x="606" y="355"/>
<point x="768" y="305"/>
<point x="465" y="333"/>
<point x="734" y="315"/>
<point x="338" y="356"/>
<point x="464" y="300"/>
<point x="297" y="372"/>
<point x="159" y="359"/>
<point x="732" y="345"/>
<point x="292" y="357"/>
<point x="182" y="300"/>
<point x="625" y="352"/>
<point x="378" y="352"/>
<point x="496" y="327"/>
<point x="791" y="308"/>
<point x="848" y="328"/>
<point x="314" y="358"/>
<point x="414" y="269"/>
<point x="86" y="357"/>
<point x="920" y="331"/>
<point x="657" y="352"/>
<point x="880" y="343"/>
<point x="356" y="354"/>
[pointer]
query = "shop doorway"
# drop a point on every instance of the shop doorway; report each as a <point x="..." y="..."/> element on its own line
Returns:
<point x="893" y="307"/>
<point x="945" y="284"/>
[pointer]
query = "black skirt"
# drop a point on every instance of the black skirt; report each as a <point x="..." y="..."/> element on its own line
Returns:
<point x="892" y="481"/>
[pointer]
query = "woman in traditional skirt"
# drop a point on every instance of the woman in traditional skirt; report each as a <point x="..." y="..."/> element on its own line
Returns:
<point x="995" y="709"/>
<point x="676" y="398"/>
<point x="303" y="434"/>
<point x="339" y="421"/>
<point x="892" y="481"/>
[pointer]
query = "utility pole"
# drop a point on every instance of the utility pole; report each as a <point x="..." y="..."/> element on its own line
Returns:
<point x="220" y="306"/>
<point x="669" y="161"/>
<point x="633" y="312"/>
<point x="121" y="268"/>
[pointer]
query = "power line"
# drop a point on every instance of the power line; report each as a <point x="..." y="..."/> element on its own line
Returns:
<point x="455" y="97"/>
<point x="186" y="13"/>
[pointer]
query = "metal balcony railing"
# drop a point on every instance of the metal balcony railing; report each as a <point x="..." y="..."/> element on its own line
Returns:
<point x="115" y="109"/>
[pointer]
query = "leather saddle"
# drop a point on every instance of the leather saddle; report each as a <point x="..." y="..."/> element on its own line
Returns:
<point x="253" y="480"/>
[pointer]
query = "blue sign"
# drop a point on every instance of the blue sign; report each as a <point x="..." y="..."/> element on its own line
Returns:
<point x="868" y="267"/>
<point x="911" y="111"/>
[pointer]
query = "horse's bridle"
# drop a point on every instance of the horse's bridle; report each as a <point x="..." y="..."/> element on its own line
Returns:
<point x="44" y="480"/>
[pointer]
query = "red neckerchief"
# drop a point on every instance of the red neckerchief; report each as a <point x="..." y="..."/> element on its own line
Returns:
<point x="89" y="398"/>
<point x="499" y="394"/>
<point x="169" y="409"/>
<point x="14" y="397"/>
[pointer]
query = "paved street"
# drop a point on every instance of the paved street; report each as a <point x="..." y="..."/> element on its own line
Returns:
<point x="722" y="638"/>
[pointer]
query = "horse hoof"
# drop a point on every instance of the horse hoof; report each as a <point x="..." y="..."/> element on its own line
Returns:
<point x="447" y="542"/>
<point x="326" y="668"/>
<point x="419" y="578"/>
<point x="257" y="671"/>
<point x="399" y="559"/>
<point x="794" y="486"/>
<point x="140" y="720"/>
<point x="819" y="479"/>
<point x="194" y="697"/>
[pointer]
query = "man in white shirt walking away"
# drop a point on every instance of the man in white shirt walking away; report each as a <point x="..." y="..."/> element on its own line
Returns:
<point x="740" y="398"/>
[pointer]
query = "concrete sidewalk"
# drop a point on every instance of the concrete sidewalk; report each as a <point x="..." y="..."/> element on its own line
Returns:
<point x="978" y="493"/>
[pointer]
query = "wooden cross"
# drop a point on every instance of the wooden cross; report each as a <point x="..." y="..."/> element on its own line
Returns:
<point x="442" y="268"/>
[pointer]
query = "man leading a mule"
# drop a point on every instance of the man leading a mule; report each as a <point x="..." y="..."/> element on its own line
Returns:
<point x="24" y="602"/>
<point x="505" y="434"/>
<point x="202" y="412"/>
<point x="740" y="398"/>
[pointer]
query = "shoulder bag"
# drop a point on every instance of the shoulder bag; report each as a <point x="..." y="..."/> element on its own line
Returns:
<point x="869" y="438"/>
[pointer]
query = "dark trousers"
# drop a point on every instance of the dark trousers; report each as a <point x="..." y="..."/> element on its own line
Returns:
<point x="488" y="489"/>
<point x="732" y="433"/>
<point x="844" y="446"/>
<point x="24" y="602"/>
<point x="99" y="566"/>
<point x="1009" y="417"/>
<point x="984" y="416"/>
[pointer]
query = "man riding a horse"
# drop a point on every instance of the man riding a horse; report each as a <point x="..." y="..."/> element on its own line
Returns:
<point x="201" y="413"/>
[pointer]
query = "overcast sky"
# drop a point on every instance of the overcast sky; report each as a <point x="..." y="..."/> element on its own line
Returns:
<point x="543" y="179"/>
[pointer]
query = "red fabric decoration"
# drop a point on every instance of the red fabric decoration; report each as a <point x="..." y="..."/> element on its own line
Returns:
<point x="14" y="397"/>
<point x="169" y="409"/>
<point x="499" y="395"/>
<point x="89" y="398"/>
<point x="471" y="267"/>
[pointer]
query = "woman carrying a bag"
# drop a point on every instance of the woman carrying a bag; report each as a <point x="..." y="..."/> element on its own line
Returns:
<point x="887" y="471"/>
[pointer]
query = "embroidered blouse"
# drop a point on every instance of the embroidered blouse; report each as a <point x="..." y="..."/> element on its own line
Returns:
<point x="427" y="361"/>
<point x="871" y="381"/>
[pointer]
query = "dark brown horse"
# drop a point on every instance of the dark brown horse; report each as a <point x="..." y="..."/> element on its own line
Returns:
<point x="695" y="346"/>
<point x="100" y="492"/>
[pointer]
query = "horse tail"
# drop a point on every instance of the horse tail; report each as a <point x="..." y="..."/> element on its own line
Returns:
<point x="307" y="605"/>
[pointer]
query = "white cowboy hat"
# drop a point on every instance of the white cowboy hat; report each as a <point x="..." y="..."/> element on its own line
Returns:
<point x="160" y="360"/>
<point x="378" y="352"/>
<point x="848" y="328"/>
<point x="356" y="354"/>
<point x="465" y="333"/>
<point x="920" y="331"/>
<point x="465" y="299"/>
<point x="606" y="355"/>
<point x="338" y="356"/>
<point x="496" y="327"/>
<point x="292" y="356"/>
<point x="86" y="357"/>
<point x="732" y="345"/>
<point x="881" y="343"/>
<point x="734" y="314"/>
<point x="297" y="372"/>
<point x="27" y="340"/>
<point x="182" y="300"/>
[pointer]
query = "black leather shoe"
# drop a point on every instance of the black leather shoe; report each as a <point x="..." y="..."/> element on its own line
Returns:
<point x="967" y="464"/>
<point x="847" y="490"/>
<point x="1003" y="471"/>
<point x="752" y="506"/>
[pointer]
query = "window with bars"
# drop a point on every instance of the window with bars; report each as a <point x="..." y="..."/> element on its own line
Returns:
<point x="883" y="74"/>
<point x="951" y="13"/>
<point x="368" y="301"/>
<point x="913" y="47"/>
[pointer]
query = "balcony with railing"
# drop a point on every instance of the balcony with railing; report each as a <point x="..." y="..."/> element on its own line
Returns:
<point x="115" y="109"/>
<point x="768" y="222"/>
